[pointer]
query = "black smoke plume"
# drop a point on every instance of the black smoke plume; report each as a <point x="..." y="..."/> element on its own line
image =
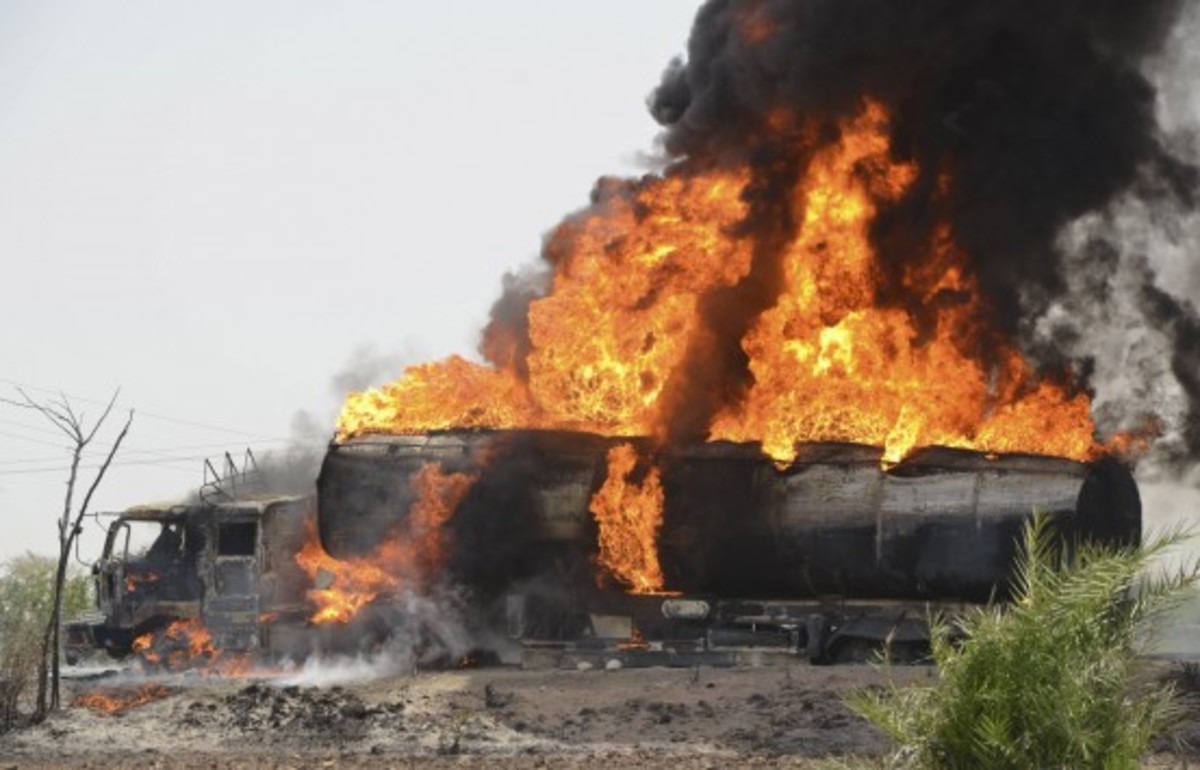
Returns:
<point x="1039" y="112"/>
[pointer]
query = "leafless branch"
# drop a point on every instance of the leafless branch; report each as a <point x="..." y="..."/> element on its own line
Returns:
<point x="66" y="407"/>
<point x="56" y="418"/>
<point x="112" y="451"/>
<point x="103" y="417"/>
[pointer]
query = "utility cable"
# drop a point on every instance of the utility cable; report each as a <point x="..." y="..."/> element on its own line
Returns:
<point x="156" y="451"/>
<point x="161" y="461"/>
<point x="140" y="413"/>
<point x="34" y="440"/>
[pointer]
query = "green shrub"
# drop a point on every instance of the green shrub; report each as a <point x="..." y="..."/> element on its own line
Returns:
<point x="26" y="597"/>
<point x="1048" y="680"/>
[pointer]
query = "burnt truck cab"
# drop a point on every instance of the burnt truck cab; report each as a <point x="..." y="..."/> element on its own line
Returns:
<point x="227" y="564"/>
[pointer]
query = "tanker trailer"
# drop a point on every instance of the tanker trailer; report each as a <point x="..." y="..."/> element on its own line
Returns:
<point x="821" y="557"/>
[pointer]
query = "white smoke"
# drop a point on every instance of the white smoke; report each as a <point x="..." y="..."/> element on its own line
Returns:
<point x="421" y="630"/>
<point x="333" y="670"/>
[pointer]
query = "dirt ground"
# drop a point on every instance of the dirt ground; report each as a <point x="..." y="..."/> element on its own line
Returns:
<point x="790" y="716"/>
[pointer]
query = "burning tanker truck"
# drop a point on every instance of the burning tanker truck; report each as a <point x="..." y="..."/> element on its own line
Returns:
<point x="802" y="385"/>
<point x="729" y="423"/>
<point x="556" y="548"/>
<point x="824" y="558"/>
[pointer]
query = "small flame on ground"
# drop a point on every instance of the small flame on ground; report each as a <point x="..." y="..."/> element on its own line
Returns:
<point x="114" y="701"/>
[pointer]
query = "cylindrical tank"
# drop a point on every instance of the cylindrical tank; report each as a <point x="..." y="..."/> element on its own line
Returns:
<point x="525" y="515"/>
<point x="942" y="525"/>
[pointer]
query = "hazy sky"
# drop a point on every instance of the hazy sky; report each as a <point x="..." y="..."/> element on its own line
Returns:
<point x="213" y="205"/>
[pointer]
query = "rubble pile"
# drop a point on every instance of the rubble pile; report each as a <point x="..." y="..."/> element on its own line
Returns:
<point x="322" y="713"/>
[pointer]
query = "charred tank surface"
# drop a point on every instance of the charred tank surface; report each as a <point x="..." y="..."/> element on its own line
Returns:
<point x="525" y="514"/>
<point x="941" y="525"/>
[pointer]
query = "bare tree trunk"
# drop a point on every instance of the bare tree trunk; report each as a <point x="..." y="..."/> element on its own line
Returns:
<point x="50" y="641"/>
<point x="42" y="679"/>
<point x="51" y="634"/>
<point x="63" y="417"/>
<point x="60" y="576"/>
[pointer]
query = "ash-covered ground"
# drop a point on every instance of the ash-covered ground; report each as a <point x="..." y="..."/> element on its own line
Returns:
<point x="791" y="716"/>
<point x="506" y="717"/>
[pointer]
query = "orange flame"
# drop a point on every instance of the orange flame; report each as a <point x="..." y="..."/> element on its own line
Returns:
<point x="135" y="579"/>
<point x="408" y="558"/>
<point x="630" y="274"/>
<point x="187" y="644"/>
<point x="830" y="364"/>
<point x="112" y="702"/>
<point x="351" y="584"/>
<point x="629" y="516"/>
<point x="636" y="641"/>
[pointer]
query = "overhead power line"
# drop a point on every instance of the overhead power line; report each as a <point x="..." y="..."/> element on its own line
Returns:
<point x="32" y="428"/>
<point x="158" y="450"/>
<point x="156" y="457"/>
<point x="33" y="440"/>
<point x="141" y="413"/>
<point x="164" y="457"/>
<point x="164" y="461"/>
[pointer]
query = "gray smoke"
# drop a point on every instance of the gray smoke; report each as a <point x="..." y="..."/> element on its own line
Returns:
<point x="292" y="470"/>
<point x="1133" y="286"/>
<point x="505" y="341"/>
<point x="367" y="367"/>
